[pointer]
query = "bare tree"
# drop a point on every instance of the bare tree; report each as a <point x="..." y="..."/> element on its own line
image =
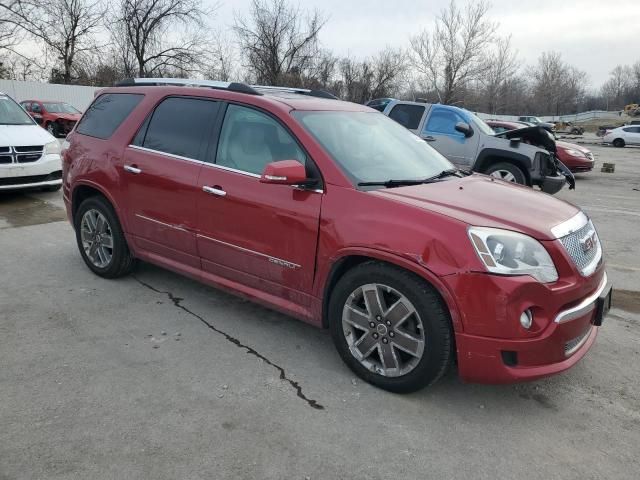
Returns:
<point x="157" y="36"/>
<point x="616" y="88"/>
<point x="502" y="66"/>
<point x="455" y="52"/>
<point x="557" y="87"/>
<point x="66" y="28"/>
<point x="279" y="41"/>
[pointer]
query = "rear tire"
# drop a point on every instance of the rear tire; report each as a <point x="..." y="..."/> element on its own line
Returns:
<point x="100" y="239"/>
<point x="618" y="143"/>
<point x="390" y="327"/>
<point x="507" y="172"/>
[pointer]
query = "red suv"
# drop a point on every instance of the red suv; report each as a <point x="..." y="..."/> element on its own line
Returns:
<point x="333" y="213"/>
<point x="58" y="118"/>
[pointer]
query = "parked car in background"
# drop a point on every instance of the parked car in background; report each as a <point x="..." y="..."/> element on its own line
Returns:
<point x="576" y="157"/>
<point x="568" y="127"/>
<point x="58" y="118"/>
<point x="469" y="143"/>
<point x="622" y="136"/>
<point x="29" y="155"/>
<point x="331" y="212"/>
<point x="536" y="121"/>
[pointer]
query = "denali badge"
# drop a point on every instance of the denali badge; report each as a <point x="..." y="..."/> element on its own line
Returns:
<point x="588" y="242"/>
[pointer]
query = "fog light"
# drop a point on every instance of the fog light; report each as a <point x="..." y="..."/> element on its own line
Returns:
<point x="526" y="319"/>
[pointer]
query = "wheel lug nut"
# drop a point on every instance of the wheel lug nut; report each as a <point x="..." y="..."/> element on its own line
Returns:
<point x="384" y="340"/>
<point x="388" y="323"/>
<point x="372" y="325"/>
<point x="391" y="334"/>
<point x="375" y="335"/>
<point x="378" y="317"/>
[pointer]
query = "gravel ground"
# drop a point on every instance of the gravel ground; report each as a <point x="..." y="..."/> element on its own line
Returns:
<point x="155" y="376"/>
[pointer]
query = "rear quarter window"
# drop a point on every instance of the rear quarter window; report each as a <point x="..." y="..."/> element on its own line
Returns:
<point x="106" y="114"/>
<point x="408" y="116"/>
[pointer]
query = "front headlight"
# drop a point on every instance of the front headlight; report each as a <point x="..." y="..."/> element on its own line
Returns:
<point x="510" y="253"/>
<point x="52" y="148"/>
<point x="575" y="153"/>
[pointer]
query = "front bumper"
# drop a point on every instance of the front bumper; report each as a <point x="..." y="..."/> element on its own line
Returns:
<point x="552" y="185"/>
<point x="45" y="172"/>
<point x="494" y="348"/>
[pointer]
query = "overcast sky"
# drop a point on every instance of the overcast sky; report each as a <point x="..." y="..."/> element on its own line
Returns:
<point x="593" y="35"/>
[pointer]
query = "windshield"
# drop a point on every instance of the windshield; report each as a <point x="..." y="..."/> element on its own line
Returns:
<point x="482" y="125"/>
<point x="12" y="114"/>
<point x="370" y="147"/>
<point x="60" y="108"/>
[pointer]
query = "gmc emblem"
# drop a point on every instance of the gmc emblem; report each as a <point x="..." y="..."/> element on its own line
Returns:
<point x="588" y="242"/>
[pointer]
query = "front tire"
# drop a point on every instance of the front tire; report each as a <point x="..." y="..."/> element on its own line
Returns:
<point x="618" y="143"/>
<point x="390" y="327"/>
<point x="100" y="239"/>
<point x="507" y="172"/>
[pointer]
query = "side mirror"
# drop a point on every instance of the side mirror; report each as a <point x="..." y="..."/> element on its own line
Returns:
<point x="464" y="128"/>
<point x="284" y="172"/>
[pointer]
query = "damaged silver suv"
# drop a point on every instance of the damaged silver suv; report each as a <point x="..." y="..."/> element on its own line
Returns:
<point x="525" y="156"/>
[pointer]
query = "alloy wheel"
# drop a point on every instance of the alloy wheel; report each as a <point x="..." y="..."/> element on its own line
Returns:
<point x="383" y="330"/>
<point x="97" y="238"/>
<point x="505" y="175"/>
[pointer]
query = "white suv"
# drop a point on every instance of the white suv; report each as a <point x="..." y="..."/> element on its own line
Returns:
<point x="619" y="137"/>
<point x="29" y="155"/>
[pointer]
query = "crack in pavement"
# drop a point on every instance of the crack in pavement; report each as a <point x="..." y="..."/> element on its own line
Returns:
<point x="177" y="302"/>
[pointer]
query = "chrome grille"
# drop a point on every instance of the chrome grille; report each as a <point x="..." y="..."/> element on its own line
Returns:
<point x="21" y="154"/>
<point x="575" y="244"/>
<point x="572" y="346"/>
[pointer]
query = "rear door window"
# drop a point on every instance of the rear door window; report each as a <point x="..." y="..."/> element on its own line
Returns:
<point x="179" y="126"/>
<point x="408" y="116"/>
<point x="106" y="114"/>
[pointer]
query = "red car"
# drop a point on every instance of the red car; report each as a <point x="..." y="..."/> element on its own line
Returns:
<point x="58" y="118"/>
<point x="333" y="213"/>
<point x="577" y="158"/>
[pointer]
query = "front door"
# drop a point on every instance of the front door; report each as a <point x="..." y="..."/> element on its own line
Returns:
<point x="439" y="130"/>
<point x="161" y="170"/>
<point x="260" y="235"/>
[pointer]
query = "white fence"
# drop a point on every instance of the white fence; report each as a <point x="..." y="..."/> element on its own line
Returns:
<point x="577" y="117"/>
<point x="76" y="95"/>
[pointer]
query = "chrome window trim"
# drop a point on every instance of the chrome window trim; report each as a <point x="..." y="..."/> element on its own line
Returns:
<point x="215" y="165"/>
<point x="584" y="307"/>
<point x="574" y="224"/>
<point x="175" y="227"/>
<point x="276" y="260"/>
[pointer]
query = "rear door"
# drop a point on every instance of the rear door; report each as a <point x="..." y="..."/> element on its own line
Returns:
<point x="37" y="112"/>
<point x="632" y="135"/>
<point x="260" y="235"/>
<point x="439" y="130"/>
<point x="161" y="169"/>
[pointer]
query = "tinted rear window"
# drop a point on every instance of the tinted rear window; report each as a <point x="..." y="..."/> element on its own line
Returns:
<point x="106" y="114"/>
<point x="179" y="126"/>
<point x="408" y="116"/>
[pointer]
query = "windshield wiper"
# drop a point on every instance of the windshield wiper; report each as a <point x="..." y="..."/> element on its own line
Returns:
<point x="405" y="183"/>
<point x="391" y="183"/>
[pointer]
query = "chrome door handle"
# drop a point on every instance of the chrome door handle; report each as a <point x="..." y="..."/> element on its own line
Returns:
<point x="131" y="169"/>
<point x="429" y="139"/>
<point x="214" y="191"/>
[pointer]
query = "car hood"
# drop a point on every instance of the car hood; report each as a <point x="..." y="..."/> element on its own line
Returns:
<point x="572" y="146"/>
<point x="22" y="135"/>
<point x="535" y="135"/>
<point x="69" y="116"/>
<point x="482" y="201"/>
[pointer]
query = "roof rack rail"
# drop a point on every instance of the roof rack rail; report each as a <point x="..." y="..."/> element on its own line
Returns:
<point x="188" y="82"/>
<point x="301" y="91"/>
